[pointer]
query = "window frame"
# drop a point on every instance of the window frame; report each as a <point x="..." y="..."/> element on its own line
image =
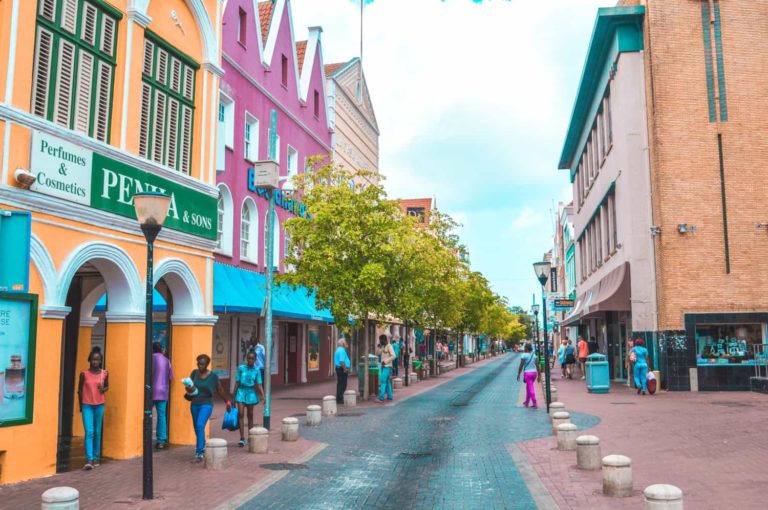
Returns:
<point x="251" y="132"/>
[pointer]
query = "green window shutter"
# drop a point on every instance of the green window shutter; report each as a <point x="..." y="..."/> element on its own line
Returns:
<point x="42" y="73"/>
<point x="175" y="75"/>
<point x="88" y="27"/>
<point x="149" y="53"/>
<point x="162" y="66"/>
<point x="186" y="139"/>
<point x="158" y="137"/>
<point x="83" y="95"/>
<point x="69" y="15"/>
<point x="189" y="81"/>
<point x="107" y="35"/>
<point x="146" y="104"/>
<point x="172" y="133"/>
<point x="103" y="91"/>
<point x="48" y="9"/>
<point x="62" y="104"/>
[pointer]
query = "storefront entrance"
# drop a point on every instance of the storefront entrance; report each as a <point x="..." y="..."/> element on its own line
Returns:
<point x="292" y="352"/>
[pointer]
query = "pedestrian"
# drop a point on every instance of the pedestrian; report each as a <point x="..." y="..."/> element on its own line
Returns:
<point x="396" y="361"/>
<point x="162" y="374"/>
<point x="387" y="354"/>
<point x="570" y="359"/>
<point x="530" y="370"/>
<point x="640" y="355"/>
<point x="583" y="349"/>
<point x="561" y="357"/>
<point x="342" y="364"/>
<point x="422" y="350"/>
<point x="91" y="387"/>
<point x="247" y="392"/>
<point x="259" y="350"/>
<point x="629" y="365"/>
<point x="200" y="393"/>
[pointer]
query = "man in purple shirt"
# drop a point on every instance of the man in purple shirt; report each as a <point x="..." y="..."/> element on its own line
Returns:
<point x="162" y="374"/>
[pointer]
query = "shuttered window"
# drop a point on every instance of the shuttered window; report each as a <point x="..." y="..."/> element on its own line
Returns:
<point x="74" y="64"/>
<point x="167" y="106"/>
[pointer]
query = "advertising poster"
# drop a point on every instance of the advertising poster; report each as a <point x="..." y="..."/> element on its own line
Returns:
<point x="18" y="314"/>
<point x="313" y="351"/>
<point x="220" y="350"/>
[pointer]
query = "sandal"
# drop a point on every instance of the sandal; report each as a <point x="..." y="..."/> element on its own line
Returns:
<point x="241" y="443"/>
<point x="161" y="446"/>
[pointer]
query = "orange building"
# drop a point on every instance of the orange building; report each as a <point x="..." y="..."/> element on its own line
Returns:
<point x="98" y="100"/>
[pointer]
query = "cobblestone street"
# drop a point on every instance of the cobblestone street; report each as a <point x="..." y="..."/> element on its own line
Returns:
<point x="446" y="448"/>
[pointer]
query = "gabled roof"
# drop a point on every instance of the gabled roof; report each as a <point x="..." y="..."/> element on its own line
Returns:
<point x="331" y="69"/>
<point x="347" y="76"/>
<point x="301" y="50"/>
<point x="265" y="17"/>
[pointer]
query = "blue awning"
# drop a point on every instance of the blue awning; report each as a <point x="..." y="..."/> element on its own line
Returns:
<point x="237" y="290"/>
<point x="158" y="303"/>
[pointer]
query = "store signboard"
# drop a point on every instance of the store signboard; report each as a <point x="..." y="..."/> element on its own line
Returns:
<point x="15" y="235"/>
<point x="563" y="304"/>
<point x="220" y="349"/>
<point x="18" y="333"/>
<point x="71" y="172"/>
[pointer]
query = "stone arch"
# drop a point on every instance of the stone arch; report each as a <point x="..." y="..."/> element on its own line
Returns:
<point x="121" y="277"/>
<point x="185" y="289"/>
<point x="200" y="13"/>
<point x="45" y="268"/>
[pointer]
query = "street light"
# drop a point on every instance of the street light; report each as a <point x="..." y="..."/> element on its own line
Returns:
<point x="535" y="309"/>
<point x="542" y="273"/>
<point x="151" y="211"/>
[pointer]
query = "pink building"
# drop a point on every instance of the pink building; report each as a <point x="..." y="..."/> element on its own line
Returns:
<point x="268" y="76"/>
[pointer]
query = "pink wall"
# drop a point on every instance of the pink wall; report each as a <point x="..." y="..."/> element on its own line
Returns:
<point x="297" y="124"/>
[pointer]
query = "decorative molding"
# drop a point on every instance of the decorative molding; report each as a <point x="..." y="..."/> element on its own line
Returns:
<point x="45" y="267"/>
<point x="194" y="320"/>
<point x="54" y="312"/>
<point x="125" y="317"/>
<point x="88" y="321"/>
<point x="214" y="69"/>
<point x="31" y="121"/>
<point x="138" y="16"/>
<point x="253" y="81"/>
<point x="185" y="290"/>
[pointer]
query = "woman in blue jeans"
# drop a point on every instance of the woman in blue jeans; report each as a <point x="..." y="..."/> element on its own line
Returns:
<point x="387" y="354"/>
<point x="91" y="387"/>
<point x="641" y="365"/>
<point x="205" y="384"/>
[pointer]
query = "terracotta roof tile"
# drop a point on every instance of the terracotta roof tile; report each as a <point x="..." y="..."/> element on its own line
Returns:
<point x="301" y="50"/>
<point x="265" y="17"/>
<point x="332" y="68"/>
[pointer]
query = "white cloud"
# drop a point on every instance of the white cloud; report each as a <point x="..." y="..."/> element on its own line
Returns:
<point x="527" y="219"/>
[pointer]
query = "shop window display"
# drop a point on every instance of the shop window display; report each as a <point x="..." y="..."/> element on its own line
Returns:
<point x="727" y="344"/>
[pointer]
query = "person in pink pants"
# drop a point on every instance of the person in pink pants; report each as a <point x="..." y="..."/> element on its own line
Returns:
<point x="530" y="370"/>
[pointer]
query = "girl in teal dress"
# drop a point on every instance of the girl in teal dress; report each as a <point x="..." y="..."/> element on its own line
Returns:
<point x="248" y="392"/>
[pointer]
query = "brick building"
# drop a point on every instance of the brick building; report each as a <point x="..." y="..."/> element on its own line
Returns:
<point x="665" y="149"/>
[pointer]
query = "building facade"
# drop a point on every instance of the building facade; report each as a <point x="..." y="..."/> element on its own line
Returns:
<point x="272" y="106"/>
<point x="100" y="100"/>
<point x="664" y="150"/>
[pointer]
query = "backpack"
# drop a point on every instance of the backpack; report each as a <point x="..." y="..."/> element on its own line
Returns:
<point x="632" y="356"/>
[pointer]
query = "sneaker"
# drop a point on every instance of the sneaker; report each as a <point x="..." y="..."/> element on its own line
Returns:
<point x="638" y="391"/>
<point x="379" y="400"/>
<point x="96" y="463"/>
<point x="241" y="443"/>
<point x="583" y="377"/>
<point x="643" y="392"/>
<point x="88" y="466"/>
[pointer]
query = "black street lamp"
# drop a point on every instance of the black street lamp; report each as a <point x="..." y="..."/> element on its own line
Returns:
<point x="535" y="308"/>
<point x="542" y="273"/>
<point x="151" y="211"/>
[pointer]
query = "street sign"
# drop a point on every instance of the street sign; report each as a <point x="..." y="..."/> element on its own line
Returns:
<point x="15" y="233"/>
<point x="563" y="304"/>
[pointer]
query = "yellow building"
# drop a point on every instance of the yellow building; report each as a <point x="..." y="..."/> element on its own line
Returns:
<point x="98" y="100"/>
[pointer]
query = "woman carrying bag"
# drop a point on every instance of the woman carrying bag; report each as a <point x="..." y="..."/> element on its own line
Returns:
<point x="200" y="387"/>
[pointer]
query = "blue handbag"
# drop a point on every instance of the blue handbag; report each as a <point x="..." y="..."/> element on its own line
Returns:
<point x="230" y="420"/>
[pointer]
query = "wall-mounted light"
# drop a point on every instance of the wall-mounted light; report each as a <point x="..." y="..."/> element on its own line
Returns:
<point x="655" y="231"/>
<point x="684" y="228"/>
<point x="24" y="177"/>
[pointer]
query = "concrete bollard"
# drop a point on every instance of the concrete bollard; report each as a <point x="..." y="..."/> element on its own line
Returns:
<point x="566" y="437"/>
<point x="556" y="407"/>
<point x="290" y="429"/>
<point x="350" y="398"/>
<point x="413" y="378"/>
<point x="663" y="497"/>
<point x="588" y="453"/>
<point x="397" y="383"/>
<point x="61" y="498"/>
<point x="329" y="405"/>
<point x="258" y="440"/>
<point x="558" y="418"/>
<point x="617" y="476"/>
<point x="216" y="454"/>
<point x="314" y="415"/>
<point x="552" y="394"/>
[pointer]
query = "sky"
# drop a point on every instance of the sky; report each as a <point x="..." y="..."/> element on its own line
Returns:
<point x="473" y="99"/>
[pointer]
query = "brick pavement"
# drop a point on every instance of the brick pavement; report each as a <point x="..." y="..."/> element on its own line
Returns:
<point x="711" y="445"/>
<point x="179" y="483"/>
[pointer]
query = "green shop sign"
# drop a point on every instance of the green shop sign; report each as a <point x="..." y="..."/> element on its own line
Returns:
<point x="68" y="171"/>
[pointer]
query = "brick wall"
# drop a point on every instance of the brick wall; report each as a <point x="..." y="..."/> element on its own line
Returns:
<point x="685" y="175"/>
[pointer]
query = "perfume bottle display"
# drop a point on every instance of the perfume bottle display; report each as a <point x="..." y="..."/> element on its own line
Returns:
<point x="14" y="378"/>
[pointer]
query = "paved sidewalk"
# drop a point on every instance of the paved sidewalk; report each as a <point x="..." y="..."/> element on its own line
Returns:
<point x="711" y="445"/>
<point x="179" y="483"/>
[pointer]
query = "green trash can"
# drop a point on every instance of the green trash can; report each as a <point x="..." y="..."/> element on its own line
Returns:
<point x="598" y="377"/>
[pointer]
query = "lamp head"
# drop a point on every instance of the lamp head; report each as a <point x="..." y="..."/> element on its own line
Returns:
<point x="535" y="309"/>
<point x="542" y="271"/>
<point x="151" y="210"/>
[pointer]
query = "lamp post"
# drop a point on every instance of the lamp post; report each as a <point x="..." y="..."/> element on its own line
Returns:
<point x="151" y="211"/>
<point x="542" y="273"/>
<point x="535" y="309"/>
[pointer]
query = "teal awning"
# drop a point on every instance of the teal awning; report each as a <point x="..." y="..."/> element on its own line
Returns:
<point x="238" y="290"/>
<point x="158" y="303"/>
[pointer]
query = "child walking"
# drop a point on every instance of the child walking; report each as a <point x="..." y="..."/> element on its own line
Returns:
<point x="248" y="392"/>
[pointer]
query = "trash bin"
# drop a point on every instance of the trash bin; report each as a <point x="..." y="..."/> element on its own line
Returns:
<point x="597" y="377"/>
<point x="373" y="375"/>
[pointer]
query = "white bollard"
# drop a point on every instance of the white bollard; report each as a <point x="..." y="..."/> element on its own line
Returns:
<point x="258" y="440"/>
<point x="566" y="437"/>
<point x="556" y="407"/>
<point x="413" y="378"/>
<point x="216" y="454"/>
<point x="663" y="497"/>
<point x="397" y="383"/>
<point x="61" y="498"/>
<point x="329" y="405"/>
<point x="350" y="398"/>
<point x="290" y="429"/>
<point x="588" y="453"/>
<point x="558" y="418"/>
<point x="314" y="415"/>
<point x="617" y="476"/>
<point x="552" y="394"/>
